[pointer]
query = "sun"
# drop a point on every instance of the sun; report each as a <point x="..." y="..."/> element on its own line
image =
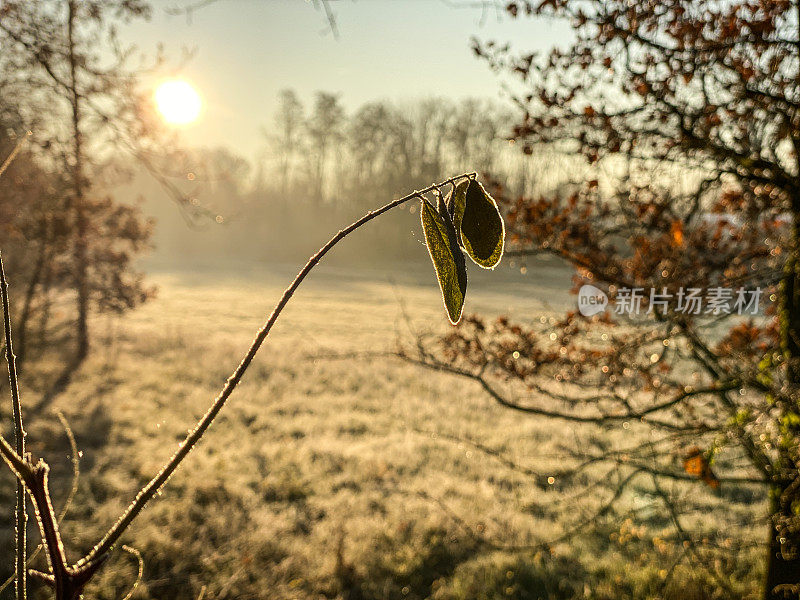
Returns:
<point x="178" y="102"/>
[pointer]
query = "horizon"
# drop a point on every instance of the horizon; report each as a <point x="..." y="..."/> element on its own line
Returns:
<point x="428" y="51"/>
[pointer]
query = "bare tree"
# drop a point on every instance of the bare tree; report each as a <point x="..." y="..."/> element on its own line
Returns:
<point x="324" y="127"/>
<point x="62" y="47"/>
<point x="687" y="114"/>
<point x="287" y="142"/>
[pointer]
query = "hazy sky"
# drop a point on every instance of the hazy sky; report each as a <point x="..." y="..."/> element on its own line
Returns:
<point x="248" y="50"/>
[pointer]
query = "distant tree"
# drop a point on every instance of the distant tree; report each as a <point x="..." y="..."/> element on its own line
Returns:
<point x="287" y="141"/>
<point x="324" y="127"/>
<point x="69" y="65"/>
<point x="400" y="146"/>
<point x="368" y="138"/>
<point x="35" y="234"/>
<point x="464" y="134"/>
<point x="689" y="114"/>
<point x="419" y="133"/>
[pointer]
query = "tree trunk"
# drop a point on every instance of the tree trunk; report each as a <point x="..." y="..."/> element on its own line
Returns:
<point x="27" y="304"/>
<point x="783" y="560"/>
<point x="79" y="197"/>
<point x="81" y="285"/>
<point x="47" y="286"/>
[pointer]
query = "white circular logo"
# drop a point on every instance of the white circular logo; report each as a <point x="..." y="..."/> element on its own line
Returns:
<point x="591" y="300"/>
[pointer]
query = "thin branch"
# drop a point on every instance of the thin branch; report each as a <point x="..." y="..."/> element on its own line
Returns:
<point x="75" y="459"/>
<point x="10" y="158"/>
<point x="686" y="538"/>
<point x="140" y="573"/>
<point x="155" y="484"/>
<point x="642" y="415"/>
<point x="188" y="11"/>
<point x="76" y="472"/>
<point x="574" y="529"/>
<point x="38" y="485"/>
<point x="331" y="17"/>
<point x="18" y="465"/>
<point x="21" y="515"/>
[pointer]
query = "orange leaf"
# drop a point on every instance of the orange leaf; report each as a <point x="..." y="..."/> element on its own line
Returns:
<point x="696" y="464"/>
<point x="676" y="231"/>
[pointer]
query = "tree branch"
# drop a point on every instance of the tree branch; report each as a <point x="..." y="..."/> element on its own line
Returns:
<point x="643" y="415"/>
<point x="194" y="436"/>
<point x="75" y="460"/>
<point x="21" y="516"/>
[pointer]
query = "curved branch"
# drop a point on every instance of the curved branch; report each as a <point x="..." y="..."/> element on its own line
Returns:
<point x="140" y="573"/>
<point x="155" y="484"/>
<point x="553" y="414"/>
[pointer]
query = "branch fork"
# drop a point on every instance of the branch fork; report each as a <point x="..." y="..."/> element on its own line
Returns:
<point x="68" y="581"/>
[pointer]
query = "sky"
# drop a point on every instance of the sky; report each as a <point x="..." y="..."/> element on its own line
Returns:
<point x="246" y="51"/>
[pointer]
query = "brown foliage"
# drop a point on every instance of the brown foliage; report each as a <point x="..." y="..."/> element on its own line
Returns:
<point x="689" y="113"/>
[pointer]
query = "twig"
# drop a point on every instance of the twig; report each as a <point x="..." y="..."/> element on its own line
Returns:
<point x="75" y="459"/>
<point x="194" y="436"/>
<point x="21" y="515"/>
<point x="38" y="485"/>
<point x="597" y="419"/>
<point x="331" y="18"/>
<point x="19" y="466"/>
<point x="76" y="473"/>
<point x="13" y="154"/>
<point x="575" y="529"/>
<point x="138" y="556"/>
<point x="67" y="582"/>
<point x="189" y="9"/>
<point x="686" y="538"/>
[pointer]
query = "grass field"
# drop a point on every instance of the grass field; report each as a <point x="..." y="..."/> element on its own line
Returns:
<point x="350" y="477"/>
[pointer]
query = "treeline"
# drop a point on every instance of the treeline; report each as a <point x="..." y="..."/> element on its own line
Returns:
<point x="320" y="153"/>
<point x="321" y="167"/>
<point x="77" y="236"/>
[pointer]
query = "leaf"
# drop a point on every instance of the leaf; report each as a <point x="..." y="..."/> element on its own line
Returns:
<point x="456" y="202"/>
<point x="442" y="242"/>
<point x="696" y="463"/>
<point x="481" y="226"/>
<point x="676" y="231"/>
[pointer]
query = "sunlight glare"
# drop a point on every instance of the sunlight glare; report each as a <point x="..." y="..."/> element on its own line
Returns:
<point x="178" y="102"/>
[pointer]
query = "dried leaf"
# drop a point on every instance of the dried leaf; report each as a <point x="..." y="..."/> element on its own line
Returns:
<point x="441" y="239"/>
<point x="697" y="464"/>
<point x="481" y="226"/>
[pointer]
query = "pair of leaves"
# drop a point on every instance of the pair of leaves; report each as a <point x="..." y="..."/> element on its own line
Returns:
<point x="468" y="220"/>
